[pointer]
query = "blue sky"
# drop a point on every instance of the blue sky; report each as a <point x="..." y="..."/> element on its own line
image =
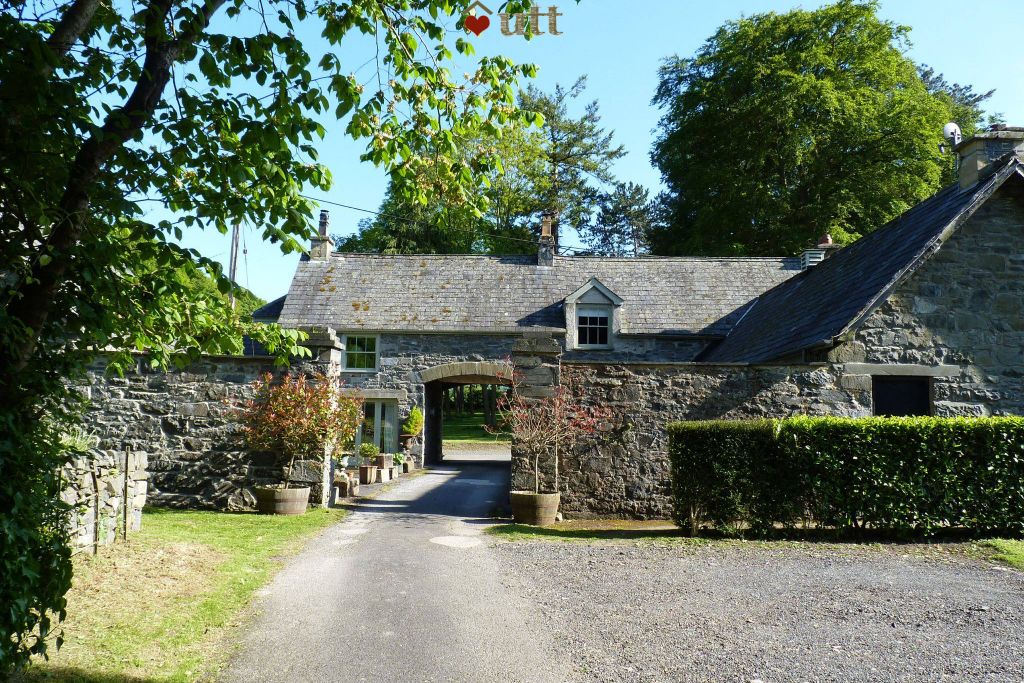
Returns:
<point x="619" y="44"/>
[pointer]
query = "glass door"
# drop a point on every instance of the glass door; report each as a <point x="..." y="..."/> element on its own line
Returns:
<point x="379" y="426"/>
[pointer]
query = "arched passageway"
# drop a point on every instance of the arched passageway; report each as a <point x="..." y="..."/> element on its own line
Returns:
<point x="436" y="380"/>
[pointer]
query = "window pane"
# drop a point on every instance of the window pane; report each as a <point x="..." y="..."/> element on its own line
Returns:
<point x="360" y="353"/>
<point x="592" y="330"/>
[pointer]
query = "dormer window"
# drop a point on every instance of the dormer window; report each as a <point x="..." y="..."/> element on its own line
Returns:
<point x="590" y="317"/>
<point x="593" y="326"/>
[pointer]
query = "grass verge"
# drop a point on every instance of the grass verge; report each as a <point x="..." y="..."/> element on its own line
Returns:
<point x="595" y="530"/>
<point x="158" y="607"/>
<point x="1007" y="551"/>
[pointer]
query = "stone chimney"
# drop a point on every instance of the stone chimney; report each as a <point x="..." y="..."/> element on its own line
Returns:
<point x="817" y="254"/>
<point x="546" y="248"/>
<point x="981" y="150"/>
<point x="322" y="245"/>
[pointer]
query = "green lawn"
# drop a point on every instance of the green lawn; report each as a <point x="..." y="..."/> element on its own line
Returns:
<point x="1010" y="552"/>
<point x="469" y="428"/>
<point x="159" y="607"/>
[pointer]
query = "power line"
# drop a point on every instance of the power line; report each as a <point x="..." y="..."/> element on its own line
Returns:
<point x="413" y="221"/>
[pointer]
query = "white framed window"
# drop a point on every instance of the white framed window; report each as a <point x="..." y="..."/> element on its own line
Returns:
<point x="593" y="327"/>
<point x="360" y="353"/>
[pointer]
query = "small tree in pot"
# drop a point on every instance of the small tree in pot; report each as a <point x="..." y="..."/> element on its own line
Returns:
<point x="412" y="426"/>
<point x="542" y="426"/>
<point x="296" y="417"/>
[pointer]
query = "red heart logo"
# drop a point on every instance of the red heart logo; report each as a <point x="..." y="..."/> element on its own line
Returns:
<point x="477" y="24"/>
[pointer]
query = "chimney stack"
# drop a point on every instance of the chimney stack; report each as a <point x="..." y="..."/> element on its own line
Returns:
<point x="546" y="248"/>
<point x="322" y="245"/>
<point x="817" y="254"/>
<point x="325" y="221"/>
<point x="980" y="151"/>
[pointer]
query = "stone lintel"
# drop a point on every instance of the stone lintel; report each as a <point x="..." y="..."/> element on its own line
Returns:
<point x="905" y="369"/>
<point x="377" y="394"/>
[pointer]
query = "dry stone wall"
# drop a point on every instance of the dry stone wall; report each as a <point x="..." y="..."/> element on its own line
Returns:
<point x="106" y="490"/>
<point x="183" y="421"/>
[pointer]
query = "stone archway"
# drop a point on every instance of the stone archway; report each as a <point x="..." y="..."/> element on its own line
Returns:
<point x="434" y="379"/>
<point x="468" y="372"/>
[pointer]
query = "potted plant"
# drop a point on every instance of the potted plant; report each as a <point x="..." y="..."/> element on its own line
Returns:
<point x="402" y="462"/>
<point x="368" y="467"/>
<point x="412" y="426"/>
<point x="541" y="426"/>
<point x="296" y="417"/>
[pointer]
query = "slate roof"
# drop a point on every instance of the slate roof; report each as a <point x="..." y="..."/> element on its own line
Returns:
<point x="671" y="296"/>
<point x="269" y="312"/>
<point x="822" y="303"/>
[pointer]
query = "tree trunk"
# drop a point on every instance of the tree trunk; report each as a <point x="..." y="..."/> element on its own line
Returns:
<point x="33" y="299"/>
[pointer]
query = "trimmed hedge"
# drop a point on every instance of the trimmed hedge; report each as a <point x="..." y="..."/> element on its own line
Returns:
<point x="915" y="474"/>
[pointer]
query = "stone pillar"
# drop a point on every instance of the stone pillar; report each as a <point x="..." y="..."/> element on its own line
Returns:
<point x="325" y="345"/>
<point x="536" y="371"/>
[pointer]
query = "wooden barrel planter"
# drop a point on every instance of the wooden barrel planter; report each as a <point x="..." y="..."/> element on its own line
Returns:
<point x="537" y="509"/>
<point x="281" y="501"/>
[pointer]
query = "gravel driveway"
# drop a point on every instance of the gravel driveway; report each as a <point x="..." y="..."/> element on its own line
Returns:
<point x="773" y="614"/>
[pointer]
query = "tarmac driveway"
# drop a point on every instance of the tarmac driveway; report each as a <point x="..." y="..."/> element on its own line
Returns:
<point x="404" y="590"/>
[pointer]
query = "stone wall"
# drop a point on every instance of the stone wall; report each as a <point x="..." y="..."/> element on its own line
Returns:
<point x="402" y="357"/>
<point x="107" y="491"/>
<point x="183" y="420"/>
<point x="962" y="309"/>
<point x="623" y="470"/>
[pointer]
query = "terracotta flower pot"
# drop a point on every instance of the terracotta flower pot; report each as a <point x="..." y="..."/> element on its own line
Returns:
<point x="281" y="501"/>
<point x="538" y="509"/>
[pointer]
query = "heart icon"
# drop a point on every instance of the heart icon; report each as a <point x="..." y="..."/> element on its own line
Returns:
<point x="477" y="24"/>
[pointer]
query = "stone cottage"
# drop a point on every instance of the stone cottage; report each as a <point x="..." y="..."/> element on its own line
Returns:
<point x="925" y="315"/>
<point x="921" y="316"/>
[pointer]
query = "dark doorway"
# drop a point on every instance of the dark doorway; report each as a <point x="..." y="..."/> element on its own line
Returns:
<point x="459" y="409"/>
<point x="901" y="396"/>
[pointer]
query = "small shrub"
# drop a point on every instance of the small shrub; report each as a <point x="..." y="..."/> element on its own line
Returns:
<point x="368" y="451"/>
<point x="299" y="417"/>
<point x="413" y="423"/>
<point x="901" y="474"/>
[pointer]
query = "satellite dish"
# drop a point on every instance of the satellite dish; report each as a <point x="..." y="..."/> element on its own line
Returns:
<point x="952" y="133"/>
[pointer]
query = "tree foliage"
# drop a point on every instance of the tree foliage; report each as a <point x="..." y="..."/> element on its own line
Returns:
<point x="624" y="221"/>
<point x="783" y="127"/>
<point x="209" y="110"/>
<point x="564" y="167"/>
<point x="578" y="155"/>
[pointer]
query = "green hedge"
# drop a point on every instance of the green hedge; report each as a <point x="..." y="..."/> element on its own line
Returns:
<point x="908" y="474"/>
